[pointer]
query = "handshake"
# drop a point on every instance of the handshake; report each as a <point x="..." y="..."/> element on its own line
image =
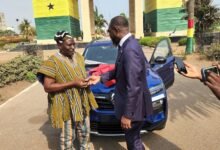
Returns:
<point x="83" y="83"/>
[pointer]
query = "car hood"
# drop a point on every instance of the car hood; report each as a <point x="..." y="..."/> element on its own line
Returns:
<point x="153" y="79"/>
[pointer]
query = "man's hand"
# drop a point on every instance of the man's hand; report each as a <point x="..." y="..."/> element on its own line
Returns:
<point x="125" y="122"/>
<point x="213" y="82"/>
<point x="94" y="79"/>
<point x="192" y="72"/>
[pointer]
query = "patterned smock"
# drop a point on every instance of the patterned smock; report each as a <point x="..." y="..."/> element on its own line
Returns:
<point x="72" y="103"/>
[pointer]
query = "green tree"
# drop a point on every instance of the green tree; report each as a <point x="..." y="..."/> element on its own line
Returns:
<point x="124" y="15"/>
<point x="26" y="29"/>
<point x="215" y="26"/>
<point x="206" y="15"/>
<point x="100" y="22"/>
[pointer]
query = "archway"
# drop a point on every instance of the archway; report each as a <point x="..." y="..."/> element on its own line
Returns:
<point x="163" y="17"/>
<point x="135" y="18"/>
<point x="51" y="16"/>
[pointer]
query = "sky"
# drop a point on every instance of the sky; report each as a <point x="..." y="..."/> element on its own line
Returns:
<point x="22" y="9"/>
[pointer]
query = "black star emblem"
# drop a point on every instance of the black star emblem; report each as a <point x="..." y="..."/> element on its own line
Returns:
<point x="50" y="6"/>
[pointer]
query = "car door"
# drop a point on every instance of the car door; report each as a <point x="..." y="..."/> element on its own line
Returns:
<point x="162" y="61"/>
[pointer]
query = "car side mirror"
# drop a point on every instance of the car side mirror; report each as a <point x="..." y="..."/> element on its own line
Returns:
<point x="160" y="60"/>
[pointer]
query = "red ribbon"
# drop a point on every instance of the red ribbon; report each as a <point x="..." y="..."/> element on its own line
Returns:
<point x="101" y="69"/>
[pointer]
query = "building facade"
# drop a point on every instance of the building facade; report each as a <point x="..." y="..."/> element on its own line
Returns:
<point x="165" y="17"/>
<point x="52" y="16"/>
<point x="161" y="17"/>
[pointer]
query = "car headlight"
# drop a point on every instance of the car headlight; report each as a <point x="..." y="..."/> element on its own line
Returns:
<point x="112" y="98"/>
<point x="157" y="102"/>
<point x="156" y="89"/>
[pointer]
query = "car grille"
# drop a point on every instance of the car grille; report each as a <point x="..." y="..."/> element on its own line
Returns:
<point x="104" y="102"/>
<point x="106" y="128"/>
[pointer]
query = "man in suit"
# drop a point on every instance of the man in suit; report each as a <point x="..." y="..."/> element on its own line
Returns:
<point x="132" y="98"/>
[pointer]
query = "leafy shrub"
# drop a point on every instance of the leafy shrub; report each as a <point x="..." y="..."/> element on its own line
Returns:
<point x="2" y="44"/>
<point x="32" y="49"/>
<point x="97" y="36"/>
<point x="30" y="76"/>
<point x="151" y="40"/>
<point x="213" y="53"/>
<point x="18" y="68"/>
<point x="183" y="41"/>
<point x="12" y="39"/>
<point x="9" y="46"/>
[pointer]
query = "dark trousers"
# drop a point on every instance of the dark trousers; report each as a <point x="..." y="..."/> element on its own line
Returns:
<point x="133" y="137"/>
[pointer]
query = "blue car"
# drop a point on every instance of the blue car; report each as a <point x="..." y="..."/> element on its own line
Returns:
<point x="159" y="78"/>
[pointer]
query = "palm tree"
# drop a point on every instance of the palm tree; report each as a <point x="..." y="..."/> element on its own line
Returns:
<point x="26" y="29"/>
<point x="100" y="22"/>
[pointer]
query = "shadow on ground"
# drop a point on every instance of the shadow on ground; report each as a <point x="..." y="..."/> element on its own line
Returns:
<point x="190" y="98"/>
<point x="151" y="140"/>
<point x="51" y="135"/>
<point x="156" y="142"/>
<point x="107" y="143"/>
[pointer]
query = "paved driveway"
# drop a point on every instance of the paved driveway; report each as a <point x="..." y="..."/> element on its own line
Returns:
<point x="193" y="122"/>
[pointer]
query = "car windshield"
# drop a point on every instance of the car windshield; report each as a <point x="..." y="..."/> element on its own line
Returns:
<point x="100" y="54"/>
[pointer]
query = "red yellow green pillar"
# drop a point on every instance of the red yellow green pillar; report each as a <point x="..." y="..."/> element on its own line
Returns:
<point x="190" y="39"/>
